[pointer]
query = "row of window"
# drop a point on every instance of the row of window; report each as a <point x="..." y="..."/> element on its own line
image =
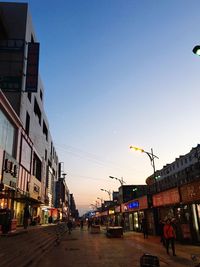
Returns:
<point x="38" y="113"/>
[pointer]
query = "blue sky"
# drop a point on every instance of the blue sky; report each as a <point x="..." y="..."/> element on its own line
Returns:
<point x="118" y="73"/>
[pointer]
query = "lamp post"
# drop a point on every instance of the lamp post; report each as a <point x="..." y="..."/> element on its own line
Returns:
<point x="109" y="193"/>
<point x="120" y="180"/>
<point x="151" y="157"/>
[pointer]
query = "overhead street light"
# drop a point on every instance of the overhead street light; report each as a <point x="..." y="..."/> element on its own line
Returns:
<point x="150" y="155"/>
<point x="196" y="50"/>
<point x="120" y="180"/>
<point x="109" y="193"/>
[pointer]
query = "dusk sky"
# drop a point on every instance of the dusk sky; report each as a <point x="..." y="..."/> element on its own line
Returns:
<point x="118" y="73"/>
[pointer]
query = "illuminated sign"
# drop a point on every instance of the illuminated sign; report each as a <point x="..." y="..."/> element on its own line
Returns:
<point x="167" y="197"/>
<point x="133" y="205"/>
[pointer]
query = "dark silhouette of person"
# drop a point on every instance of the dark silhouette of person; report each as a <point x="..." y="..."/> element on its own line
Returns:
<point x="69" y="226"/>
<point x="26" y="217"/>
<point x="161" y="232"/>
<point x="81" y="224"/>
<point x="170" y="236"/>
<point x="144" y="227"/>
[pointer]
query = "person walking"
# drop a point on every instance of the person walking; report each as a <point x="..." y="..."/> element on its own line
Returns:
<point x="69" y="226"/>
<point x="81" y="224"/>
<point x="161" y="232"/>
<point x="170" y="236"/>
<point x="26" y="217"/>
<point x="144" y="227"/>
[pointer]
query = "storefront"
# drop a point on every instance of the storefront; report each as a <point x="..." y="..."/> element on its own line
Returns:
<point x="167" y="204"/>
<point x="133" y="212"/>
<point x="118" y="215"/>
<point x="189" y="211"/>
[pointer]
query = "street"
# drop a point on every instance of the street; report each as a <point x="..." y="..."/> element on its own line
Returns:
<point x="38" y="247"/>
<point x="84" y="249"/>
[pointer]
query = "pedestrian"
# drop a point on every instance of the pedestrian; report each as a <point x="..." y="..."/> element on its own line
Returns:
<point x="122" y="224"/>
<point x="161" y="232"/>
<point x="89" y="223"/>
<point x="69" y="226"/>
<point x="144" y="227"/>
<point x="81" y="224"/>
<point x="26" y="217"/>
<point x="170" y="236"/>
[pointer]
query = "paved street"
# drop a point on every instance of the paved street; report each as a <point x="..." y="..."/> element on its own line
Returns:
<point x="84" y="249"/>
<point x="37" y="247"/>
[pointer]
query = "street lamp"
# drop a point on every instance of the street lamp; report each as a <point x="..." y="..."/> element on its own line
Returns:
<point x="196" y="50"/>
<point x="120" y="180"/>
<point x="109" y="193"/>
<point x="150" y="155"/>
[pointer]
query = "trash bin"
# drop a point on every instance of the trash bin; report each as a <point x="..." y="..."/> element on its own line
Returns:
<point x="148" y="260"/>
<point x="5" y="220"/>
<point x="115" y="231"/>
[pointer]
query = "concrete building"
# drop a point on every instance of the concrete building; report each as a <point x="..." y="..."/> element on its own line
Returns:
<point x="22" y="86"/>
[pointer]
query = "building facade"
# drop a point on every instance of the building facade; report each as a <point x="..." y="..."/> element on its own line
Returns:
<point x="28" y="159"/>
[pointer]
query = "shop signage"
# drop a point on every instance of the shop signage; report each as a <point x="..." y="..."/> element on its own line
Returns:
<point x="143" y="203"/>
<point x="190" y="192"/>
<point x="132" y="205"/>
<point x="166" y="198"/>
<point x="10" y="171"/>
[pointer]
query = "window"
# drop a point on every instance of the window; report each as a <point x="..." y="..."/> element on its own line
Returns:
<point x="29" y="96"/>
<point x="45" y="155"/>
<point x="37" y="111"/>
<point x="27" y="123"/>
<point x="41" y="95"/>
<point x="37" y="167"/>
<point x="45" y="130"/>
<point x="7" y="135"/>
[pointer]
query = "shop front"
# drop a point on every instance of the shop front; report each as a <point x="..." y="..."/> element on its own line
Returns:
<point x="167" y="205"/>
<point x="118" y="215"/>
<point x="189" y="211"/>
<point x="134" y="211"/>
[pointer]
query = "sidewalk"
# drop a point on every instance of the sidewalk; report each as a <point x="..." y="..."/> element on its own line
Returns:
<point x="20" y="229"/>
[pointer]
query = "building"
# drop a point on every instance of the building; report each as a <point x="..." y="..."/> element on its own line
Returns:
<point x="178" y="195"/>
<point x="30" y="154"/>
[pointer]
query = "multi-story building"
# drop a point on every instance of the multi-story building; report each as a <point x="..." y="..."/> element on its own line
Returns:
<point x="177" y="194"/>
<point x="22" y="87"/>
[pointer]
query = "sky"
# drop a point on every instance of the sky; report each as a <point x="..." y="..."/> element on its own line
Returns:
<point x="118" y="73"/>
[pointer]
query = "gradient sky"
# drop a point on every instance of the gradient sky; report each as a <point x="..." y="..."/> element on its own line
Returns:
<point x="118" y="73"/>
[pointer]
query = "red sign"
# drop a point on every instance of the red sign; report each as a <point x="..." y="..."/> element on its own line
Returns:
<point x="190" y="192"/>
<point x="166" y="198"/>
<point x="143" y="204"/>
